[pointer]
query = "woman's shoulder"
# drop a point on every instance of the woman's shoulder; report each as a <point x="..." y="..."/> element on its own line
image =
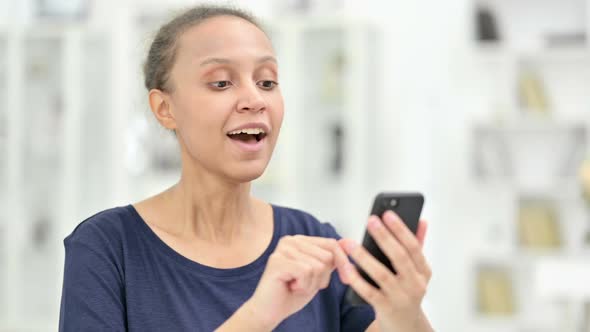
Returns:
<point x="106" y="227"/>
<point x="296" y="221"/>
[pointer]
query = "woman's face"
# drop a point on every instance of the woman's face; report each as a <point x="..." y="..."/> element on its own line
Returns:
<point x="225" y="101"/>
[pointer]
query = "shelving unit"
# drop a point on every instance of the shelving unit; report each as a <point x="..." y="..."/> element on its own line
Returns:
<point x="3" y="156"/>
<point x="531" y="154"/>
<point x="529" y="137"/>
<point x="46" y="180"/>
<point x="323" y="156"/>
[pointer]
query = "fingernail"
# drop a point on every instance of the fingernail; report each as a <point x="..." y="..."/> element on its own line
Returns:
<point x="374" y="223"/>
<point x="390" y="217"/>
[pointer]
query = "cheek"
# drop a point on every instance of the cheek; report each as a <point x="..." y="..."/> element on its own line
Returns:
<point x="204" y="111"/>
<point x="201" y="119"/>
<point x="278" y="108"/>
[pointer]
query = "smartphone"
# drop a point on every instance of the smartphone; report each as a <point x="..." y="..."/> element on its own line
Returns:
<point x="408" y="206"/>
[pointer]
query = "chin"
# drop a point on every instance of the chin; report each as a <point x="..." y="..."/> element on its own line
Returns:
<point x="248" y="173"/>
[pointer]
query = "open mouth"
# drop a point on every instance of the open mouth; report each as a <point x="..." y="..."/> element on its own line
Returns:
<point x="250" y="135"/>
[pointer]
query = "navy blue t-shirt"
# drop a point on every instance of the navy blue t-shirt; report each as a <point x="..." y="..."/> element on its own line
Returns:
<point x="120" y="276"/>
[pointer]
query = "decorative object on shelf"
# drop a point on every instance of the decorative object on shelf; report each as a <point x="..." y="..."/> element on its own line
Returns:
<point x="333" y="78"/>
<point x="40" y="232"/>
<point x="538" y="224"/>
<point x="165" y="154"/>
<point x="337" y="160"/>
<point x="495" y="295"/>
<point x="532" y="91"/>
<point x="486" y="24"/>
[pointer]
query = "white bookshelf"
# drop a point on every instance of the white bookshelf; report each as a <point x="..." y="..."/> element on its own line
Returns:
<point x="308" y="172"/>
<point x="522" y="154"/>
<point x="49" y="77"/>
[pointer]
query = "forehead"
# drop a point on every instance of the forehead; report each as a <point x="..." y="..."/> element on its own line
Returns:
<point x="224" y="35"/>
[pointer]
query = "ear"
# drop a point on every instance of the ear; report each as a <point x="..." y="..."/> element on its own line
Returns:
<point x="160" y="106"/>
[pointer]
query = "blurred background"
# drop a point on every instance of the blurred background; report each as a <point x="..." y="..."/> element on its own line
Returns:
<point x="481" y="105"/>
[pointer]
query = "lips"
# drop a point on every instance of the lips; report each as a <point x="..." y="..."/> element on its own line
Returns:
<point x="249" y="137"/>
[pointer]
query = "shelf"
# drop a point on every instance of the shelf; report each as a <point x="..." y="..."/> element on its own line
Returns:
<point x="559" y="55"/>
<point x="533" y="154"/>
<point x="562" y="277"/>
<point x="489" y="53"/>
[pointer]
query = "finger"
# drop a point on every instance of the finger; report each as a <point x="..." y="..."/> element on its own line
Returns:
<point x="331" y="244"/>
<point x="391" y="247"/>
<point x="284" y="270"/>
<point x="340" y="257"/>
<point x="408" y="241"/>
<point x="304" y="280"/>
<point x="314" y="246"/>
<point x="310" y="248"/>
<point x="324" y="256"/>
<point x="421" y="232"/>
<point x="364" y="289"/>
<point x="384" y="278"/>
<point x="313" y="270"/>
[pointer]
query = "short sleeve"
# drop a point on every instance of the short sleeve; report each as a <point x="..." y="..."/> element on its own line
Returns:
<point x="93" y="288"/>
<point x="353" y="318"/>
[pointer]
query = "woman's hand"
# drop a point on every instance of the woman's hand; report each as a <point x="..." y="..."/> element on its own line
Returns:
<point x="397" y="302"/>
<point x="299" y="267"/>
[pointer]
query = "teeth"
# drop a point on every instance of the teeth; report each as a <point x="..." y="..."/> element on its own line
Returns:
<point x="250" y="131"/>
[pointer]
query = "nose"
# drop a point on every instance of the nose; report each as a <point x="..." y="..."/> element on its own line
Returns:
<point x="251" y="99"/>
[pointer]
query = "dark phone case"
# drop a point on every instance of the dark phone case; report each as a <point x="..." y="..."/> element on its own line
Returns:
<point x="409" y="207"/>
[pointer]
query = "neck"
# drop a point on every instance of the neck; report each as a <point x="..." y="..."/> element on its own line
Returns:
<point x="210" y="209"/>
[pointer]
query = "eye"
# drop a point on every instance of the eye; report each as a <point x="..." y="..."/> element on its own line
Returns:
<point x="220" y="85"/>
<point x="267" y="85"/>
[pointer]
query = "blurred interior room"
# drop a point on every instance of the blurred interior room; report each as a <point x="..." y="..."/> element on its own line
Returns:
<point x="481" y="105"/>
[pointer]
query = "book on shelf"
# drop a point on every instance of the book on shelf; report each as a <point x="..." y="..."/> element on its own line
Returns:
<point x="584" y="175"/>
<point x="538" y="224"/>
<point x="495" y="295"/>
<point x="333" y="78"/>
<point x="532" y="92"/>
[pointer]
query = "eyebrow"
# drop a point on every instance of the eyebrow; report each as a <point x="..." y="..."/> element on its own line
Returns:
<point x="224" y="61"/>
